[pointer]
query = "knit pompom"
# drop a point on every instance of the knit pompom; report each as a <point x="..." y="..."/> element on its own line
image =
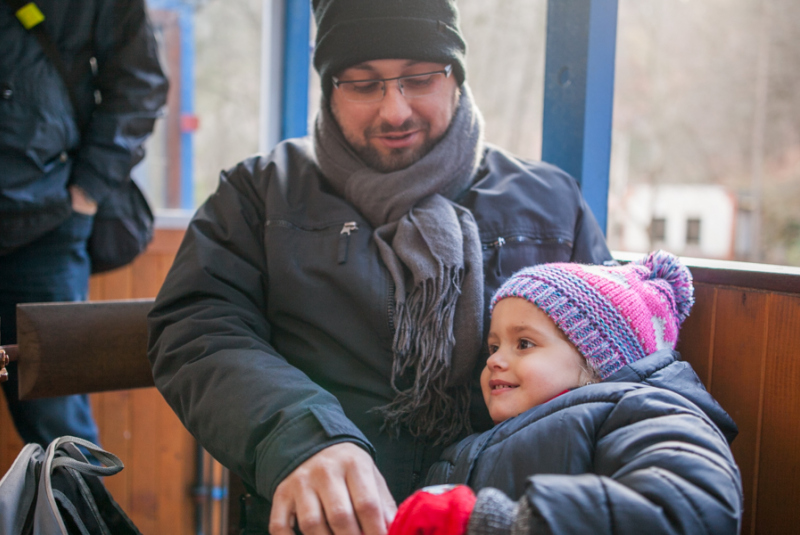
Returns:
<point x="664" y="265"/>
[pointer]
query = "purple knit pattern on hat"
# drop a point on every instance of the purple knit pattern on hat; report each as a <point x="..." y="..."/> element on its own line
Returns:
<point x="614" y="315"/>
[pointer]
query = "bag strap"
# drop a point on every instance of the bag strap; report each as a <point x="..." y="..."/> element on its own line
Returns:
<point x="69" y="508"/>
<point x="113" y="465"/>
<point x="48" y="517"/>
<point x="32" y="19"/>
<point x="91" y="511"/>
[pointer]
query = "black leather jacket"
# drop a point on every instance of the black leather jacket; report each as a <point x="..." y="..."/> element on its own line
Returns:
<point x="270" y="344"/>
<point x="645" y="451"/>
<point x="42" y="150"/>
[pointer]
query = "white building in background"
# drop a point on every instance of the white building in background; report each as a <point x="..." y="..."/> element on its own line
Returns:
<point x="684" y="219"/>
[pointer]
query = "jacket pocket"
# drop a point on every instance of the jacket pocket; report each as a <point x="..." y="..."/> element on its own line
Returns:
<point x="328" y="308"/>
<point x="43" y="136"/>
<point x="507" y="254"/>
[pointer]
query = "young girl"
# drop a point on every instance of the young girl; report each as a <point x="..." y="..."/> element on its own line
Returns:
<point x="600" y="427"/>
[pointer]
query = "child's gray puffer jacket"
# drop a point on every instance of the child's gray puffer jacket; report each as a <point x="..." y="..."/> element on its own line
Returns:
<point x="645" y="451"/>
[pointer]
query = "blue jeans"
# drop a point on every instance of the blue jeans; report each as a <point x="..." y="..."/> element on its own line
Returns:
<point x="55" y="267"/>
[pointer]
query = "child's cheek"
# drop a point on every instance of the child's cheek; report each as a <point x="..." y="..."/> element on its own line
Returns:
<point x="485" y="385"/>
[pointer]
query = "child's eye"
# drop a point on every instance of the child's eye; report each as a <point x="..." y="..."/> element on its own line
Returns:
<point x="493" y="349"/>
<point x="525" y="344"/>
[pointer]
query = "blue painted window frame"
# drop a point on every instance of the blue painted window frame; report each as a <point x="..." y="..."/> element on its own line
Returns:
<point x="296" y="65"/>
<point x="185" y="14"/>
<point x="579" y="94"/>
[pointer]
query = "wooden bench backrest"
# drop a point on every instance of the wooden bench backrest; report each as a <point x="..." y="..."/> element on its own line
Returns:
<point x="743" y="339"/>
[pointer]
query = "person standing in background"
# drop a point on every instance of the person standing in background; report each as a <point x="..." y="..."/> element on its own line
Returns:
<point x="59" y="160"/>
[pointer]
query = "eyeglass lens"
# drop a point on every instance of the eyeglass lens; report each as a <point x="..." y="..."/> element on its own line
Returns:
<point x="410" y="86"/>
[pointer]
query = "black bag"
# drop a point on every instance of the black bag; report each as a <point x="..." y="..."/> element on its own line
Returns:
<point x="59" y="492"/>
<point x="123" y="224"/>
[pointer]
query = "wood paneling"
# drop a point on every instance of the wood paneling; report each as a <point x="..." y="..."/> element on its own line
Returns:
<point x="176" y="457"/>
<point x="737" y="375"/>
<point x="112" y="414"/>
<point x="697" y="333"/>
<point x="144" y="508"/>
<point x="778" y="500"/>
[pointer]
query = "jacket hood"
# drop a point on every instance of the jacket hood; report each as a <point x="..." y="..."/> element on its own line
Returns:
<point x="665" y="369"/>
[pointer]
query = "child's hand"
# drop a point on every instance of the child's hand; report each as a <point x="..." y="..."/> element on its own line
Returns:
<point x="438" y="510"/>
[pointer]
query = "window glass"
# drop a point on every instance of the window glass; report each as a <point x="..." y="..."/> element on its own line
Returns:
<point x="707" y="128"/>
<point x="505" y="69"/>
<point x="228" y="84"/>
<point x="692" y="232"/>
<point x="210" y="50"/>
<point x="658" y="229"/>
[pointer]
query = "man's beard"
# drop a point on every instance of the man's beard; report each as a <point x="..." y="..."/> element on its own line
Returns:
<point x="395" y="159"/>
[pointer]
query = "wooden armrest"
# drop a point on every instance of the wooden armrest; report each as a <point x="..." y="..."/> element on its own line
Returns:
<point x="80" y="348"/>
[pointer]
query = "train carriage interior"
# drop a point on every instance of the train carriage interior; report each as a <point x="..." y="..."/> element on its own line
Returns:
<point x="680" y="120"/>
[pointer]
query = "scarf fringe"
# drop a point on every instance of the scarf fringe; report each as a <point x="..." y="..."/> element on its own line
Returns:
<point x="424" y="342"/>
<point x="442" y="415"/>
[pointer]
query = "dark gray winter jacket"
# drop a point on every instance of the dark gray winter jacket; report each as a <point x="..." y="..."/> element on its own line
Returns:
<point x="645" y="451"/>
<point x="42" y="150"/>
<point x="272" y="335"/>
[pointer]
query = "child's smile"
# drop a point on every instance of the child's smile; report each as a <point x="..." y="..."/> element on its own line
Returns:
<point x="499" y="387"/>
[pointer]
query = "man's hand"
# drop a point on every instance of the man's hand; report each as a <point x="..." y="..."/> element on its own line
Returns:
<point x="81" y="202"/>
<point x="4" y="360"/>
<point x="338" y="491"/>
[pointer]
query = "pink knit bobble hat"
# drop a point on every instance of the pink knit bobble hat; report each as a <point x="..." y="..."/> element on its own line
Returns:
<point x="614" y="315"/>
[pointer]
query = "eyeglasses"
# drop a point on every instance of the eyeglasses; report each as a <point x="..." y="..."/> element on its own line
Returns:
<point x="410" y="86"/>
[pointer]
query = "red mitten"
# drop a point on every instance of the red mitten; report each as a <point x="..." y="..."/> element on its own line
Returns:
<point x="439" y="510"/>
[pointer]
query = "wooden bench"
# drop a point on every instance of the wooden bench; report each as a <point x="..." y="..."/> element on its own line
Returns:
<point x="742" y="337"/>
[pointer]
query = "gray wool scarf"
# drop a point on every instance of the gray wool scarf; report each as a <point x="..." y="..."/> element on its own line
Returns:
<point x="432" y="249"/>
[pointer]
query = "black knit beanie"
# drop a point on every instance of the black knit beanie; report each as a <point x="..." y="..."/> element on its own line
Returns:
<point x="350" y="32"/>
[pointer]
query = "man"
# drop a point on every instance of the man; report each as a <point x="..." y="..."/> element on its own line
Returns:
<point x="322" y="328"/>
<point x="58" y="162"/>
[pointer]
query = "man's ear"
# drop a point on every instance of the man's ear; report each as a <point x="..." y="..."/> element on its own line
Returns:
<point x="457" y="97"/>
<point x="328" y="103"/>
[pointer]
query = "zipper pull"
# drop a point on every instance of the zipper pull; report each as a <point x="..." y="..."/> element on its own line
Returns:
<point x="344" y="239"/>
<point x="499" y="243"/>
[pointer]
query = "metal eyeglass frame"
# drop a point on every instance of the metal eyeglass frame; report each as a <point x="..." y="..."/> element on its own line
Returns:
<point x="448" y="69"/>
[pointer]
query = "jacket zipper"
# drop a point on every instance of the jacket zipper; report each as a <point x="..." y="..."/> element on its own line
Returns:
<point x="286" y="224"/>
<point x="344" y="239"/>
<point x="501" y="241"/>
